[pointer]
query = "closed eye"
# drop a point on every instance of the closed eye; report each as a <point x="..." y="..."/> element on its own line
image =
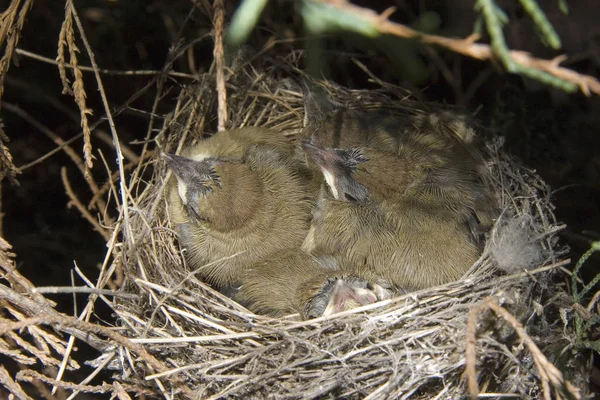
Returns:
<point x="195" y="216"/>
<point x="350" y="198"/>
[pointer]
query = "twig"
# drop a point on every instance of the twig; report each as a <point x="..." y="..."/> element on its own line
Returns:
<point x="107" y="110"/>
<point x="34" y="304"/>
<point x="107" y="359"/>
<point x="115" y="175"/>
<point x="70" y="344"/>
<point x="30" y="307"/>
<point x="31" y="376"/>
<point x="59" y="142"/>
<point x="197" y="339"/>
<point x="244" y="19"/>
<point x="593" y="301"/>
<point x="543" y="24"/>
<point x="81" y="289"/>
<point x="75" y="202"/>
<point x="219" y="54"/>
<point x="11" y="32"/>
<point x="60" y="321"/>
<point x="7" y="166"/>
<point x="380" y="22"/>
<point x="106" y="71"/>
<point x="67" y="39"/>
<point x="494" y="19"/>
<point x="12" y="386"/>
<point x="549" y="374"/>
<point x="180" y="284"/>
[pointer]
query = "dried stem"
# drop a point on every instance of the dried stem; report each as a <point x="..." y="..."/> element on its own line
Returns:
<point x="59" y="321"/>
<point x="219" y="54"/>
<point x="12" y="21"/>
<point x="107" y="109"/>
<point x="75" y="202"/>
<point x="67" y="39"/>
<point x="467" y="47"/>
<point x="59" y="142"/>
<point x="549" y="374"/>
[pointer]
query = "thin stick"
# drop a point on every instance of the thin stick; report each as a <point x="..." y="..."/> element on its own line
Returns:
<point x="586" y="83"/>
<point x="107" y="110"/>
<point x="59" y="321"/>
<point x="105" y="71"/>
<point x="549" y="374"/>
<point x="107" y="359"/>
<point x="59" y="142"/>
<point x="219" y="55"/>
<point x="70" y="344"/>
<point x="81" y="289"/>
<point x="32" y="376"/>
<point x="75" y="202"/>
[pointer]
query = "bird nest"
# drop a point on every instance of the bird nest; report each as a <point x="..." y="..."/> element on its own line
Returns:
<point x="499" y="330"/>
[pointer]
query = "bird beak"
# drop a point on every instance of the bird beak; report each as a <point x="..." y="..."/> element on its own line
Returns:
<point x="346" y="297"/>
<point x="180" y="166"/>
<point x="323" y="157"/>
<point x="196" y="175"/>
<point x="188" y="169"/>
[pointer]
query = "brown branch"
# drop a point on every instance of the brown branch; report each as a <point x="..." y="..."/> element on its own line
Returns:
<point x="31" y="307"/>
<point x="549" y="374"/>
<point x="82" y="289"/>
<point x="107" y="109"/>
<point x="59" y="321"/>
<point x="75" y="202"/>
<point x="467" y="47"/>
<point x="59" y="142"/>
<point x="12" y="386"/>
<point x="10" y="32"/>
<point x="67" y="35"/>
<point x="63" y="64"/>
<point x="7" y="166"/>
<point x="471" y="351"/>
<point x="219" y="55"/>
<point x="32" y="376"/>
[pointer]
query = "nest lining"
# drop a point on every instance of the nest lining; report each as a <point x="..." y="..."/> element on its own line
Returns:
<point x="410" y="346"/>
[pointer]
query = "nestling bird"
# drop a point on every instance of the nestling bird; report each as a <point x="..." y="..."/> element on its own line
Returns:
<point x="236" y="198"/>
<point x="298" y="282"/>
<point x="235" y="143"/>
<point x="395" y="217"/>
<point x="383" y="128"/>
<point x="336" y="126"/>
<point x="443" y="149"/>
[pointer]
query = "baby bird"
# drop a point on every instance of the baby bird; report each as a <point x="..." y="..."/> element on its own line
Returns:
<point x="336" y="126"/>
<point x="396" y="218"/>
<point x="387" y="129"/>
<point x="433" y="178"/>
<point x="442" y="148"/>
<point x="234" y="203"/>
<point x="235" y="142"/>
<point x="298" y="282"/>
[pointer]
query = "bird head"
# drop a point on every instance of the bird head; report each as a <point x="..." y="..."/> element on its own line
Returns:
<point x="338" y="167"/>
<point x="339" y="294"/>
<point x="219" y="192"/>
<point x="317" y="105"/>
